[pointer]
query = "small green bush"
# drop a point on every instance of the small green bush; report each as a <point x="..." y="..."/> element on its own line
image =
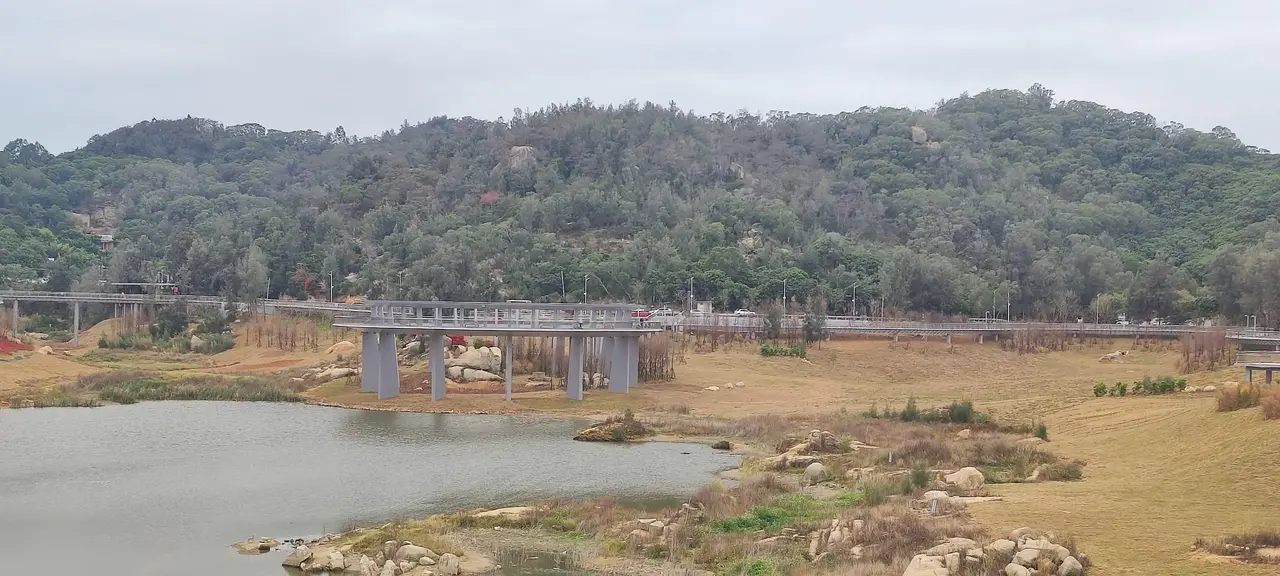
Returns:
<point x="1119" y="389"/>
<point x="1042" y="432"/>
<point x="961" y="412"/>
<point x="797" y="351"/>
<point x="910" y="413"/>
<point x="919" y="476"/>
<point x="1100" y="389"/>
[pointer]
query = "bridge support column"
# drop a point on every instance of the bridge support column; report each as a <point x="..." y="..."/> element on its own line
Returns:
<point x="368" y="361"/>
<point x="388" y="372"/>
<point x="506" y="363"/>
<point x="1248" y="375"/>
<point x="981" y="337"/>
<point x="1268" y="376"/>
<point x="573" y="376"/>
<point x="75" y="324"/>
<point x="948" y="338"/>
<point x="618" y="364"/>
<point x="435" y="359"/>
<point x="633" y="362"/>
<point x="15" y="319"/>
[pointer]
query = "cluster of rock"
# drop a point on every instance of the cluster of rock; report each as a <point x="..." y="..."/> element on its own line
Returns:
<point x="396" y="558"/>
<point x="809" y="452"/>
<point x="838" y="537"/>
<point x="1210" y="388"/>
<point x="727" y="386"/>
<point x="644" y="533"/>
<point x="320" y="374"/>
<point x="465" y="364"/>
<point x="1026" y="554"/>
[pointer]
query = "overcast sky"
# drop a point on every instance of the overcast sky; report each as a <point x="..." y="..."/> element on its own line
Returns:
<point x="75" y="68"/>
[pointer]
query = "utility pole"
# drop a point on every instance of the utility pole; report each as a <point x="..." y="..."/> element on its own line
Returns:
<point x="691" y="294"/>
<point x="331" y="286"/>
<point x="784" y="296"/>
<point x="562" y="285"/>
<point x="584" y="287"/>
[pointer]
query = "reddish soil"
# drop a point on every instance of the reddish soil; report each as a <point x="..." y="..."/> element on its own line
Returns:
<point x="8" y="346"/>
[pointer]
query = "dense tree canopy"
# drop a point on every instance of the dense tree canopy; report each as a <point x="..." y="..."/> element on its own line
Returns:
<point x="1002" y="200"/>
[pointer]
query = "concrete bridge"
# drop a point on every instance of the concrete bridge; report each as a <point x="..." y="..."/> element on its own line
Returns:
<point x="610" y="326"/>
<point x="131" y="303"/>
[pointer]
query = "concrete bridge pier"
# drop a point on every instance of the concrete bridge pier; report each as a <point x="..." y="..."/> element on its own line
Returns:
<point x="436" y="343"/>
<point x="633" y="361"/>
<point x="15" y="319"/>
<point x="368" y="361"/>
<point x="617" y="364"/>
<point x="75" y="324"/>
<point x="573" y="376"/>
<point x="388" y="371"/>
<point x="506" y="366"/>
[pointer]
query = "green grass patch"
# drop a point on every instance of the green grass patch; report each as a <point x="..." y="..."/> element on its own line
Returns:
<point x="785" y="510"/>
<point x="133" y="387"/>
<point x="749" y="567"/>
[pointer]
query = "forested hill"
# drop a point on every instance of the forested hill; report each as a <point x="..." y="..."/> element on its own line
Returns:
<point x="1068" y="208"/>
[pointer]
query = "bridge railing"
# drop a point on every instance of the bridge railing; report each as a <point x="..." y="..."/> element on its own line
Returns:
<point x="447" y="315"/>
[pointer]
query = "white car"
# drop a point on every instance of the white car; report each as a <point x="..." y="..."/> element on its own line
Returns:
<point x="743" y="312"/>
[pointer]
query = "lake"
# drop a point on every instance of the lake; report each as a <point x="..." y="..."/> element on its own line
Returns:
<point x="165" y="488"/>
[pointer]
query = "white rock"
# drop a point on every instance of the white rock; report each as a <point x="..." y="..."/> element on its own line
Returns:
<point x="1002" y="546"/>
<point x="1016" y="570"/>
<point x="426" y="561"/>
<point x="388" y="569"/>
<point x="336" y="562"/>
<point x="815" y="473"/>
<point x="1027" y="557"/>
<point x="925" y="565"/>
<point x="952" y="561"/>
<point x="934" y="495"/>
<point x="298" y="556"/>
<point x="411" y="553"/>
<point x="967" y="479"/>
<point x="1070" y="567"/>
<point x="713" y="388"/>
<point x="1209" y="389"/>
<point x="447" y="565"/>
<point x="964" y="434"/>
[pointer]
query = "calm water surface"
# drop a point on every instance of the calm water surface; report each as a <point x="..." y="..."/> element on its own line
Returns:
<point x="164" y="488"/>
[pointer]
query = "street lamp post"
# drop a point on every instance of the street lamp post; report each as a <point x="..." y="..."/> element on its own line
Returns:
<point x="784" y="296"/>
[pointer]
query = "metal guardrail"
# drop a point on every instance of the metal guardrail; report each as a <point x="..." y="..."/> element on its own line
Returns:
<point x="495" y="315"/>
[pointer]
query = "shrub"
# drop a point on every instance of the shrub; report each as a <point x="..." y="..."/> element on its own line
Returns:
<point x="910" y="413"/>
<point x="961" y="412"/>
<point x="215" y="343"/>
<point x="1100" y="389"/>
<point x="797" y="351"/>
<point x="1042" y="432"/>
<point x="1271" y="405"/>
<point x="919" y="476"/>
<point x="1058" y="471"/>
<point x="1119" y="389"/>
<point x="1238" y="397"/>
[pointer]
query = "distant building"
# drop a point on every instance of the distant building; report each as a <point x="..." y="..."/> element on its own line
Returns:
<point x="106" y="242"/>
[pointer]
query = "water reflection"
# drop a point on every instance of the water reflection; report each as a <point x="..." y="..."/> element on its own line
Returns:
<point x="198" y="476"/>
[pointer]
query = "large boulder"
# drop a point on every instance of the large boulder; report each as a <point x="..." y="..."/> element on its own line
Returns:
<point x="411" y="553"/>
<point x="454" y="373"/>
<point x="297" y="557"/>
<point x="196" y="343"/>
<point x="475" y="359"/>
<point x="1004" y="547"/>
<point x="1070" y="567"/>
<point x="1016" y="570"/>
<point x="815" y="473"/>
<point x="822" y="441"/>
<point x="1028" y="557"/>
<point x="919" y="135"/>
<point x="951" y="546"/>
<point x="967" y="479"/>
<point x="389" y="569"/>
<point x="925" y="565"/>
<point x="469" y="375"/>
<point x="343" y="347"/>
<point x="447" y="565"/>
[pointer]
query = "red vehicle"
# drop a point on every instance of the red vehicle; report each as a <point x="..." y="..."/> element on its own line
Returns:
<point x="641" y="314"/>
<point x="457" y="340"/>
